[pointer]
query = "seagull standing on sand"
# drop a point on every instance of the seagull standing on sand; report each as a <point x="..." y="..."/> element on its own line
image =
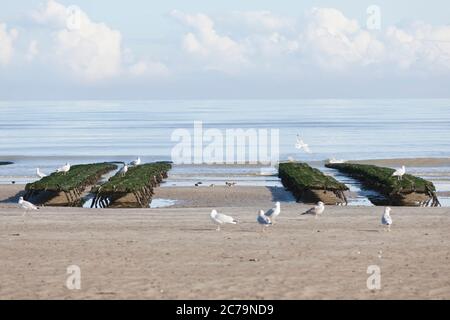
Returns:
<point x="124" y="170"/>
<point x="263" y="220"/>
<point x="219" y="219"/>
<point x="64" y="169"/>
<point x="135" y="162"/>
<point x="40" y="174"/>
<point x="274" y="212"/>
<point x="316" y="210"/>
<point x="302" y="145"/>
<point x="26" y="205"/>
<point x="386" y="219"/>
<point x="399" y="173"/>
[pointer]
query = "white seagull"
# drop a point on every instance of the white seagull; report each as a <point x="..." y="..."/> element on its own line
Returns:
<point x="26" y="205"/>
<point x="274" y="212"/>
<point x="40" y="174"/>
<point x="316" y="210"/>
<point x="386" y="219"/>
<point x="334" y="160"/>
<point x="64" y="169"/>
<point x="135" y="162"/>
<point x="263" y="220"/>
<point x="302" y="145"/>
<point x="219" y="219"/>
<point x="124" y="170"/>
<point x="399" y="173"/>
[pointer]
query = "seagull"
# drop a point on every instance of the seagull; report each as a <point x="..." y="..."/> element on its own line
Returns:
<point x="219" y="219"/>
<point x="399" y="173"/>
<point x="263" y="220"/>
<point x="124" y="170"/>
<point x="26" y="205"/>
<point x="302" y="145"/>
<point x="274" y="212"/>
<point x="64" y="169"/>
<point x="135" y="162"/>
<point x="40" y="174"/>
<point x="386" y="218"/>
<point x="316" y="210"/>
<point x="334" y="160"/>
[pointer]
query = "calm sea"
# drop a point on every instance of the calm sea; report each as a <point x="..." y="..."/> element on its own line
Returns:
<point x="46" y="134"/>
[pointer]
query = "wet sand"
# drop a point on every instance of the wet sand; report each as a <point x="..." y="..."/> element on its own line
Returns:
<point x="175" y="253"/>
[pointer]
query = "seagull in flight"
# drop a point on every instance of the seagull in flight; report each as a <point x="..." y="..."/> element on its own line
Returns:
<point x="300" y="144"/>
<point x="135" y="162"/>
<point x="316" y="210"/>
<point x="26" y="205"/>
<point x="399" y="173"/>
<point x="40" y="174"/>
<point x="386" y="219"/>
<point x="64" y="169"/>
<point x="219" y="219"/>
<point x="274" y="212"/>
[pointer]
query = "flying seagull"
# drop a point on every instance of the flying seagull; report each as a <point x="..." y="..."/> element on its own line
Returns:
<point x="274" y="212"/>
<point x="26" y="205"/>
<point x="300" y="144"/>
<point x="135" y="162"/>
<point x="386" y="219"/>
<point x="263" y="220"/>
<point x="316" y="210"/>
<point x="399" y="173"/>
<point x="219" y="219"/>
<point x="40" y="174"/>
<point x="64" y="169"/>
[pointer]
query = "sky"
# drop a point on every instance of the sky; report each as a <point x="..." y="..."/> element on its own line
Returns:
<point x="234" y="49"/>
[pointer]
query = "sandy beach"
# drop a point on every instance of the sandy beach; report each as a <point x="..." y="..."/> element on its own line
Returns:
<point x="176" y="253"/>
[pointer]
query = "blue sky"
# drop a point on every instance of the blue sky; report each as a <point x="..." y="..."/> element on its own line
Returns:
<point x="223" y="49"/>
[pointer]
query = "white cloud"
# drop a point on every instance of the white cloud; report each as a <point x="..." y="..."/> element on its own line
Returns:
<point x="325" y="39"/>
<point x="260" y="21"/>
<point x="92" y="51"/>
<point x="7" y="38"/>
<point x="219" y="52"/>
<point x="33" y="50"/>
<point x="420" y="45"/>
<point x="334" y="41"/>
<point x="148" y="68"/>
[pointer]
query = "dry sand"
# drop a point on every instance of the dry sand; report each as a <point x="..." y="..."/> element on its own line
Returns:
<point x="176" y="252"/>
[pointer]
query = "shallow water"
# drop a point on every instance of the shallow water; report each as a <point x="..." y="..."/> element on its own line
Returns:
<point x="48" y="134"/>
